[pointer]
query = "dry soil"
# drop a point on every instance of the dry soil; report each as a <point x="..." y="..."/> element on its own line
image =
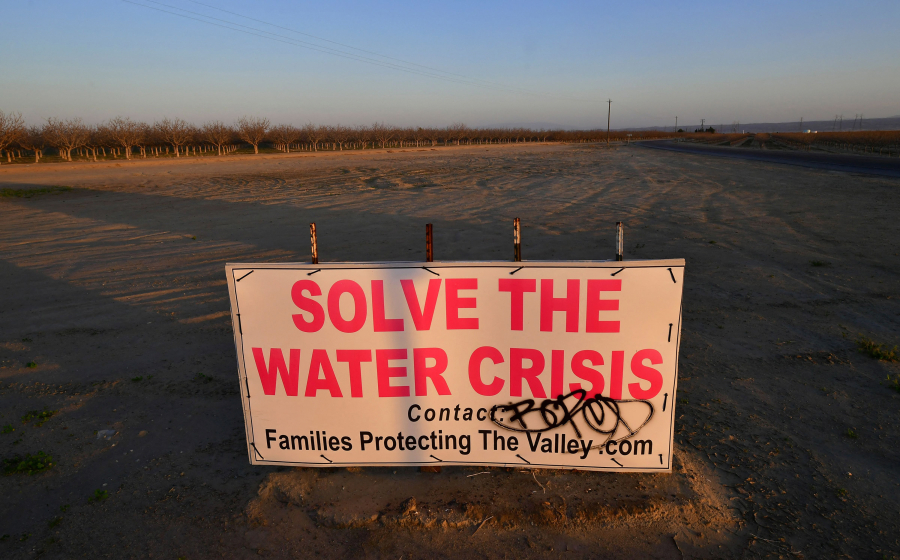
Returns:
<point x="114" y="314"/>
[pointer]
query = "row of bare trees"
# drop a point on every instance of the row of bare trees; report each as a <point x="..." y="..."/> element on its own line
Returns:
<point x="124" y="137"/>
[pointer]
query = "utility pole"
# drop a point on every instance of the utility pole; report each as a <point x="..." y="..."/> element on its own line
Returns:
<point x="676" y="123"/>
<point x="834" y="124"/>
<point x="608" y="113"/>
<point x="841" y="123"/>
<point x="801" y="124"/>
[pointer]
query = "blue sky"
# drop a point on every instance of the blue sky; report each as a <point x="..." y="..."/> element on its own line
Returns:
<point x="722" y="61"/>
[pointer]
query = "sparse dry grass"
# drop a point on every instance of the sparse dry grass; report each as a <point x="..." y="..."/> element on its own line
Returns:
<point x="875" y="350"/>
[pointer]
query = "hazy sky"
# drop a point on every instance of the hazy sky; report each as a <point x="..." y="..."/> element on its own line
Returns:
<point x="722" y="61"/>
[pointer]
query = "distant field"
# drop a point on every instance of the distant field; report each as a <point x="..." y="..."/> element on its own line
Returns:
<point x="884" y="143"/>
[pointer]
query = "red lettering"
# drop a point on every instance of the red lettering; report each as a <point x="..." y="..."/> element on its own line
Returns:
<point x="421" y="319"/>
<point x="320" y="363"/>
<point x="518" y="372"/>
<point x="268" y="376"/>
<point x="354" y="359"/>
<point x="568" y="304"/>
<point x="423" y="373"/>
<point x="478" y="356"/>
<point x="382" y="324"/>
<point x="340" y="288"/>
<point x="308" y="305"/>
<point x="386" y="371"/>
<point x="455" y="303"/>
<point x="557" y="370"/>
<point x="646" y="373"/>
<point x="616" y="373"/>
<point x="588" y="374"/>
<point x="595" y="305"/>
<point x="517" y="288"/>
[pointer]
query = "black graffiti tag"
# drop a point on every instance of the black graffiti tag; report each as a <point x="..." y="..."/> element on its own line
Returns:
<point x="555" y="413"/>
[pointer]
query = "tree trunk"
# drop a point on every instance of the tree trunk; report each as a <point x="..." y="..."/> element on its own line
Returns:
<point x="255" y="149"/>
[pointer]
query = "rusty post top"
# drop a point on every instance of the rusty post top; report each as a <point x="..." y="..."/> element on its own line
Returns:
<point x="314" y="244"/>
<point x="517" y="240"/>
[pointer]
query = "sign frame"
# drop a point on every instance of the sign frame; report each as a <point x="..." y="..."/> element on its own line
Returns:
<point x="235" y="272"/>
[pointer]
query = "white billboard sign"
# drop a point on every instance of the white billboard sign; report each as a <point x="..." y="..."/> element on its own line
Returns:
<point x="541" y="364"/>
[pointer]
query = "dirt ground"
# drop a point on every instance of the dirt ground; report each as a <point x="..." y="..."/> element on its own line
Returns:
<point x="114" y="313"/>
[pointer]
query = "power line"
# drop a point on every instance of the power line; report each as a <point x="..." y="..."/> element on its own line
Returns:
<point x="330" y="50"/>
<point x="342" y="54"/>
<point x="281" y="39"/>
<point x="333" y="42"/>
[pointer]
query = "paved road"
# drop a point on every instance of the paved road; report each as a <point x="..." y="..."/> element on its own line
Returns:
<point x="871" y="165"/>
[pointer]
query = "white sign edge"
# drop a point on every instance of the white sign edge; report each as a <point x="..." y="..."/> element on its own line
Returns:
<point x="252" y="452"/>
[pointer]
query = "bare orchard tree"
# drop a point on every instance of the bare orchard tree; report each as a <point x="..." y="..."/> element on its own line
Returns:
<point x="147" y="138"/>
<point x="104" y="140"/>
<point x="176" y="132"/>
<point x="66" y="135"/>
<point x="95" y="141"/>
<point x="12" y="127"/>
<point x="217" y="134"/>
<point x="457" y="131"/>
<point x="383" y="132"/>
<point x="341" y="134"/>
<point x="362" y="134"/>
<point x="284" y="135"/>
<point x="34" y="140"/>
<point x="126" y="133"/>
<point x="252" y="130"/>
<point x="434" y="135"/>
<point x="314" y="134"/>
<point x="418" y="134"/>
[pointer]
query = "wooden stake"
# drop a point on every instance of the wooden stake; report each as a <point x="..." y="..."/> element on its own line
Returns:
<point x="517" y="240"/>
<point x="314" y="243"/>
<point x="620" y="241"/>
<point x="429" y="244"/>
